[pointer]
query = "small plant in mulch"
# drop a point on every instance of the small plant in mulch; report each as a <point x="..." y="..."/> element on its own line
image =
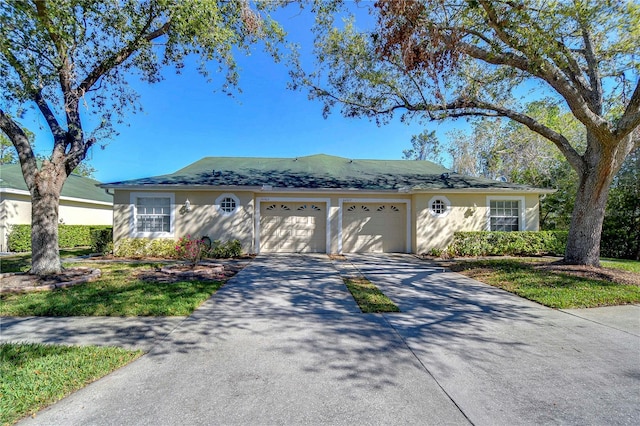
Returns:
<point x="190" y="249"/>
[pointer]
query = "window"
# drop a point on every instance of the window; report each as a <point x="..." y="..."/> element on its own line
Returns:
<point x="439" y="206"/>
<point x="227" y="204"/>
<point x="152" y="214"/>
<point x="504" y="215"/>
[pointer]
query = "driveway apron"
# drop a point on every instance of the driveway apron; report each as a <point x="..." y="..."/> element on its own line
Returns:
<point x="281" y="343"/>
<point x="505" y="360"/>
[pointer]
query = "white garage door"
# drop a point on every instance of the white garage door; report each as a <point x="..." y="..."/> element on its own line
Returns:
<point x="374" y="228"/>
<point x="287" y="227"/>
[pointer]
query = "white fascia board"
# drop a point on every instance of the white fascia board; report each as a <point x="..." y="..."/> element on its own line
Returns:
<point x="63" y="197"/>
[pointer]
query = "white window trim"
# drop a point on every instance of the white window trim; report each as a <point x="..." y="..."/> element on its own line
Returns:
<point x="521" y="204"/>
<point x="133" y="225"/>
<point x="447" y="203"/>
<point x="222" y="197"/>
<point x="341" y="201"/>
<point x="260" y="200"/>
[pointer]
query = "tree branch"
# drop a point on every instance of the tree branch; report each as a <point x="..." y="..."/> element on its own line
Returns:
<point x="630" y="120"/>
<point x="21" y="142"/>
<point x="119" y="57"/>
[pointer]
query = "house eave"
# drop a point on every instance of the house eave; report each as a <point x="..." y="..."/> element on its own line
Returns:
<point x="62" y="197"/>
<point x="275" y="190"/>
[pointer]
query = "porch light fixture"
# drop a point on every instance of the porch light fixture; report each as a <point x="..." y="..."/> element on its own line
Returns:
<point x="187" y="206"/>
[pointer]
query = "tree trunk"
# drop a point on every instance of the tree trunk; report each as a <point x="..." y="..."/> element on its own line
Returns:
<point x="45" y="255"/>
<point x="585" y="232"/>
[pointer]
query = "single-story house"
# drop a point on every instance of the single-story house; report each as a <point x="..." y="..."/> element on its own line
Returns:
<point x="82" y="202"/>
<point x="320" y="203"/>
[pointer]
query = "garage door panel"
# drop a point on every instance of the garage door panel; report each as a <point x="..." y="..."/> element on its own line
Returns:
<point x="292" y="227"/>
<point x="374" y="227"/>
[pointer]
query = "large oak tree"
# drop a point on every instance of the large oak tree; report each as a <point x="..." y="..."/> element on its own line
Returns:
<point x="442" y="59"/>
<point x="70" y="60"/>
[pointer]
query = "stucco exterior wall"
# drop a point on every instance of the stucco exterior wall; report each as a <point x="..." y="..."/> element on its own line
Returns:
<point x="468" y="212"/>
<point x="204" y="218"/>
<point x="15" y="209"/>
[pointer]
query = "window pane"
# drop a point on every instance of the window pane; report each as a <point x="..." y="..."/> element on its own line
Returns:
<point x="504" y="215"/>
<point x="153" y="214"/>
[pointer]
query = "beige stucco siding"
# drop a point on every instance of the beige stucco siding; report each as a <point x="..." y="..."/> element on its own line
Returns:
<point x="206" y="219"/>
<point x="203" y="219"/>
<point x="468" y="212"/>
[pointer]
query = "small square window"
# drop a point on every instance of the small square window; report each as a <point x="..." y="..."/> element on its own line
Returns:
<point x="439" y="206"/>
<point x="227" y="204"/>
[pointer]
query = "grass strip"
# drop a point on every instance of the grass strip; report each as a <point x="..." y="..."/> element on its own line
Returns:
<point x="33" y="376"/>
<point x="117" y="293"/>
<point x="368" y="297"/>
<point x="623" y="264"/>
<point x="556" y="290"/>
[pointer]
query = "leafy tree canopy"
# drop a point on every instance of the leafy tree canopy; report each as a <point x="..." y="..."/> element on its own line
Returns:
<point x="441" y="59"/>
<point x="70" y="59"/>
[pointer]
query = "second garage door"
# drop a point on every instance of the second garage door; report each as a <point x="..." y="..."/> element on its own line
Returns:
<point x="287" y="227"/>
<point x="374" y="228"/>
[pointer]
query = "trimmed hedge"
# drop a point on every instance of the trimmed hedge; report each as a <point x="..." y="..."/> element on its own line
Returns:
<point x="102" y="240"/>
<point x="138" y="248"/>
<point x="69" y="236"/>
<point x="523" y="243"/>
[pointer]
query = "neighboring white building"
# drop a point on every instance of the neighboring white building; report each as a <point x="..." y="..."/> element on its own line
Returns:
<point x="82" y="202"/>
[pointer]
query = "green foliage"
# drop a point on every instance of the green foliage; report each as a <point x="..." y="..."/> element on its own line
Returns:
<point x="525" y="243"/>
<point x="36" y="375"/>
<point x="187" y="248"/>
<point x="118" y="292"/>
<point x="101" y="240"/>
<point x="225" y="250"/>
<point x="190" y="249"/>
<point x="69" y="236"/>
<point x="621" y="228"/>
<point x="138" y="248"/>
<point x="19" y="238"/>
<point x="555" y="290"/>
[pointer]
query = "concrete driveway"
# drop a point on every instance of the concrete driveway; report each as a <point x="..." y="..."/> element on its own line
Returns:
<point x="284" y="343"/>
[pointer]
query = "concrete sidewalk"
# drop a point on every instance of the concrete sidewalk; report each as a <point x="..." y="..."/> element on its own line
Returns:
<point x="284" y="343"/>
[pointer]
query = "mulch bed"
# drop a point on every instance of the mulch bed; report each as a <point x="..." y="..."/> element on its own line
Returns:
<point x="558" y="267"/>
<point x="205" y="271"/>
<point x="17" y="282"/>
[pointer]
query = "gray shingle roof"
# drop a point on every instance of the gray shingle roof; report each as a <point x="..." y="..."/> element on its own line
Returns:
<point x="75" y="186"/>
<point x="318" y="172"/>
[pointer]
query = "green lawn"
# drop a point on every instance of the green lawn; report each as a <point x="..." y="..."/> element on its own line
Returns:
<point x="117" y="293"/>
<point x="624" y="264"/>
<point x="368" y="297"/>
<point x="35" y="375"/>
<point x="21" y="262"/>
<point x="556" y="290"/>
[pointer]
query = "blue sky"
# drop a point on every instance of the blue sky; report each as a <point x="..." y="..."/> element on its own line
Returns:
<point x="185" y="118"/>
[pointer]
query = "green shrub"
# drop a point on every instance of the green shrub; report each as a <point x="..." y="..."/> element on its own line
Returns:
<point x="19" y="238"/>
<point x="101" y="240"/>
<point x="145" y="247"/>
<point x="225" y="250"/>
<point x="524" y="243"/>
<point x="69" y="236"/>
<point x="166" y="248"/>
